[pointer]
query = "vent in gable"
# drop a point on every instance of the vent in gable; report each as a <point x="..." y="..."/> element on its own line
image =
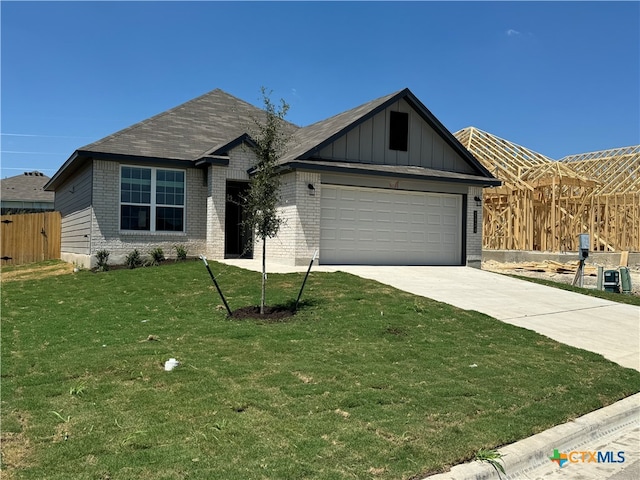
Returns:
<point x="399" y="131"/>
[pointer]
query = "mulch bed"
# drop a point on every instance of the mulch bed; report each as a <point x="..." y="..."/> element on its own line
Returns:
<point x="272" y="314"/>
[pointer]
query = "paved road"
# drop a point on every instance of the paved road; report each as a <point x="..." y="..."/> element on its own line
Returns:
<point x="627" y="441"/>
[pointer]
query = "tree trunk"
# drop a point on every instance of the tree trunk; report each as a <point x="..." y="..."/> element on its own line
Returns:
<point x="264" y="274"/>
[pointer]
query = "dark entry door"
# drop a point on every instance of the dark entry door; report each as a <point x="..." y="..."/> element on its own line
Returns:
<point x="237" y="238"/>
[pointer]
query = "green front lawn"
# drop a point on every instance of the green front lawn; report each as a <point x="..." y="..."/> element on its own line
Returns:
<point x="364" y="382"/>
<point x="592" y="292"/>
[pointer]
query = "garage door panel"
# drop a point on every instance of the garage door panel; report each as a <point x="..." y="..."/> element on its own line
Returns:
<point x="450" y="202"/>
<point x="434" y="201"/>
<point x="389" y="227"/>
<point x="450" y="220"/>
<point x="329" y="213"/>
<point x="346" y="235"/>
<point x="434" y="219"/>
<point x="328" y="236"/>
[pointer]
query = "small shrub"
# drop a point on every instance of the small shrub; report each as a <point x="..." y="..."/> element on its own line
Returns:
<point x="157" y="256"/>
<point x="134" y="260"/>
<point x="181" y="253"/>
<point x="103" y="258"/>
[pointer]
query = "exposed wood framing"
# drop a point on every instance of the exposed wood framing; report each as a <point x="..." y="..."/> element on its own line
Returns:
<point x="544" y="204"/>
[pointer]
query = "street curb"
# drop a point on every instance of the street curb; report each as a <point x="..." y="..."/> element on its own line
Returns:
<point x="526" y="455"/>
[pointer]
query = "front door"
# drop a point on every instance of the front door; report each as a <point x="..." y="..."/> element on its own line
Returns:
<point x="237" y="236"/>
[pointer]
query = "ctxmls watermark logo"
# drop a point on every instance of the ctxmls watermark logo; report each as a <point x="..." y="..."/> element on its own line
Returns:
<point x="586" y="457"/>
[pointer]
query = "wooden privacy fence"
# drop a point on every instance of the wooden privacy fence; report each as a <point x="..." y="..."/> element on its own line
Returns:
<point x="30" y="237"/>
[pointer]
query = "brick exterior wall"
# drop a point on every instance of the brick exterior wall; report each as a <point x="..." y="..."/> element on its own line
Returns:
<point x="474" y="240"/>
<point x="241" y="159"/>
<point x="299" y="207"/>
<point x="106" y="234"/>
<point x="216" y="197"/>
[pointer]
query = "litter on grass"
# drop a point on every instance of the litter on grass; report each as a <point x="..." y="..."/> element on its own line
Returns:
<point x="171" y="364"/>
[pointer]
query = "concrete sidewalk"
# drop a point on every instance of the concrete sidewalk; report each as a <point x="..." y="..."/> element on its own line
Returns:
<point x="608" y="328"/>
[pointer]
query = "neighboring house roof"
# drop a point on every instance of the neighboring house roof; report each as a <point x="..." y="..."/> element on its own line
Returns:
<point x="204" y="129"/>
<point x="28" y="187"/>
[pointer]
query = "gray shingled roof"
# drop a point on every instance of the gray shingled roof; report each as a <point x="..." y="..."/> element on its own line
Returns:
<point x="215" y="121"/>
<point x="28" y="187"/>
<point x="186" y="132"/>
<point x="307" y="138"/>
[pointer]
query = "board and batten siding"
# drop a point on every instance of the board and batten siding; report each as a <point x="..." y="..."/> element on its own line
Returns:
<point x="368" y="142"/>
<point x="73" y="201"/>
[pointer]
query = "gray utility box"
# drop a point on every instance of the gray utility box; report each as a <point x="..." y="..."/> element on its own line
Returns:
<point x="612" y="281"/>
<point x="625" y="280"/>
<point x="583" y="244"/>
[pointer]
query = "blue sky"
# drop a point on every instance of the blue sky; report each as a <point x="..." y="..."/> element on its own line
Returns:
<point x="559" y="78"/>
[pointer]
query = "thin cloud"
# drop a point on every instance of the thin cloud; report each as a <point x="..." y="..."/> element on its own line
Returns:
<point x="30" y="153"/>
<point x="512" y="33"/>
<point x="36" y="135"/>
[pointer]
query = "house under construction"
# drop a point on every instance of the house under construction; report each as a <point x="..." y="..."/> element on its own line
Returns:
<point x="545" y="204"/>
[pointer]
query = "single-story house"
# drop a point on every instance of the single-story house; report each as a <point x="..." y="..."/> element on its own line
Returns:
<point x="25" y="194"/>
<point x="383" y="184"/>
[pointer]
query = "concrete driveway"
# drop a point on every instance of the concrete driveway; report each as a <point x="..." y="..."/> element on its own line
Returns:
<point x="608" y="328"/>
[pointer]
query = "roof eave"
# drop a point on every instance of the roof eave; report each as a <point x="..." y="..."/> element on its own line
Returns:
<point x="60" y="175"/>
<point x="212" y="160"/>
<point x="448" y="137"/>
<point x="245" y="138"/>
<point x="344" y="130"/>
<point x="311" y="166"/>
<point x="123" y="157"/>
<point x="80" y="156"/>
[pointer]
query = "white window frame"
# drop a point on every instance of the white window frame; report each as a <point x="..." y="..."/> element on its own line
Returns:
<point x="152" y="205"/>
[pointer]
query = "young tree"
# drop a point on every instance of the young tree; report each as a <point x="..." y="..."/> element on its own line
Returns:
<point x="270" y="142"/>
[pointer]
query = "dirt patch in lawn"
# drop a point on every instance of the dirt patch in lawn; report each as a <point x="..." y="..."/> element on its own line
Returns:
<point x="555" y="272"/>
<point x="14" y="451"/>
<point x="36" y="272"/>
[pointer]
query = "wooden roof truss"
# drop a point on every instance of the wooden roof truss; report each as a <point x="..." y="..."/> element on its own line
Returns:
<point x="544" y="204"/>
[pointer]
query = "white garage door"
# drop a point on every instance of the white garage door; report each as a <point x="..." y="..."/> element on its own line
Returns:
<point x="389" y="227"/>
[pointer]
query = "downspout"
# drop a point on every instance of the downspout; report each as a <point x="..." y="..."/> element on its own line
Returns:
<point x="92" y="213"/>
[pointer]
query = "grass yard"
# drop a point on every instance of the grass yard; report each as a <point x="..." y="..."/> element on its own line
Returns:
<point x="614" y="297"/>
<point x="364" y="382"/>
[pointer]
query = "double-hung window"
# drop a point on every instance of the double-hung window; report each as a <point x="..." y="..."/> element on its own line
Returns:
<point x="152" y="199"/>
